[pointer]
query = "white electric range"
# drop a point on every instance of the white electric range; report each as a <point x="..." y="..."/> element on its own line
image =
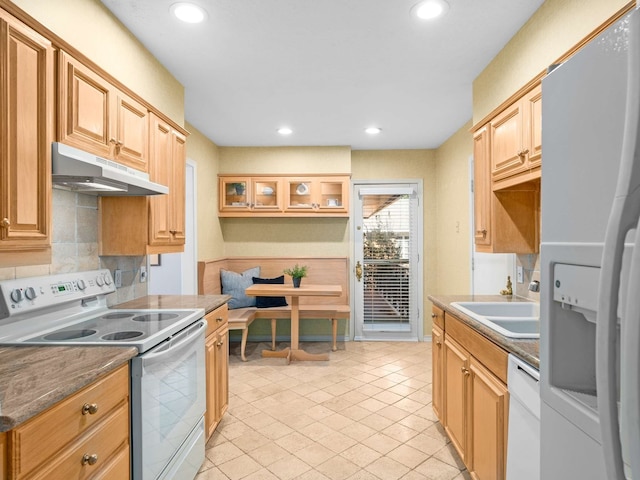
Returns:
<point x="167" y="375"/>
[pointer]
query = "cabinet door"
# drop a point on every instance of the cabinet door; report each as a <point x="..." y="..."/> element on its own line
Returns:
<point x="26" y="128"/>
<point x="266" y="194"/>
<point x="84" y="107"/>
<point x="533" y="107"/>
<point x="437" y="368"/>
<point x="167" y="167"/>
<point x="234" y="194"/>
<point x="3" y="456"/>
<point x="482" y="188"/>
<point x="210" y="421"/>
<point x="131" y="132"/>
<point x="177" y="187"/>
<point x="507" y="151"/>
<point x="488" y="424"/>
<point x="298" y="195"/>
<point x="456" y="371"/>
<point x="332" y="194"/>
<point x="222" y="372"/>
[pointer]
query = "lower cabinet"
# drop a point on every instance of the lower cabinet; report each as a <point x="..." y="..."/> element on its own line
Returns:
<point x="475" y="399"/>
<point x="217" y="368"/>
<point x="3" y="456"/>
<point x="84" y="436"/>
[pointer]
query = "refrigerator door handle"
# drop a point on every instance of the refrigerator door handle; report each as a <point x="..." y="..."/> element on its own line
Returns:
<point x="630" y="360"/>
<point x="623" y="217"/>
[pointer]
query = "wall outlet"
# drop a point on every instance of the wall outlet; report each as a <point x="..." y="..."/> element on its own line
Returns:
<point x="117" y="278"/>
<point x="143" y="274"/>
<point x="520" y="274"/>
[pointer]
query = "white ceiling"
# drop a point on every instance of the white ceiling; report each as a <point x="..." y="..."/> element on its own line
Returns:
<point x="326" y="68"/>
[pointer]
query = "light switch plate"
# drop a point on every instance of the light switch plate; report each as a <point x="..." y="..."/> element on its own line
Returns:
<point x="143" y="274"/>
<point x="117" y="278"/>
<point x="520" y="274"/>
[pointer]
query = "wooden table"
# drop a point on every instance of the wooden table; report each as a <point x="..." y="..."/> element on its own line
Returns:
<point x="268" y="290"/>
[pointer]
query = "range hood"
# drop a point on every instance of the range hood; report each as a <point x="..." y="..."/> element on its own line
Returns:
<point x="83" y="172"/>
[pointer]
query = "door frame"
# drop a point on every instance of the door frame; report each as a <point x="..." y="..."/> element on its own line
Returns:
<point x="355" y="184"/>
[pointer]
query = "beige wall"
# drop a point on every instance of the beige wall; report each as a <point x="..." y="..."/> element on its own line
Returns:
<point x="453" y="217"/>
<point x="408" y="164"/>
<point x="88" y="26"/>
<point x="554" y="29"/>
<point x="207" y="157"/>
<point x="285" y="160"/>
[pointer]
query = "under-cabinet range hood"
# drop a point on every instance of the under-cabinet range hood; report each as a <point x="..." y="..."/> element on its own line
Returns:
<point x="83" y="172"/>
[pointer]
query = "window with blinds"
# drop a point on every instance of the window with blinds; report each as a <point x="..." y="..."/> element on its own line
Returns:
<point x="387" y="273"/>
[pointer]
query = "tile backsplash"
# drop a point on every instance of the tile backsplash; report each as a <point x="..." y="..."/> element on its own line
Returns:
<point x="74" y="247"/>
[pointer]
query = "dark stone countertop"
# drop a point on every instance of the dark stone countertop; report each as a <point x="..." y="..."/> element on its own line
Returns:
<point x="208" y="302"/>
<point x="526" y="350"/>
<point x="33" y="379"/>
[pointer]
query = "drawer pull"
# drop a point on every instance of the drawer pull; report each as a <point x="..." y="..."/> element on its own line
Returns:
<point x="219" y="319"/>
<point x="89" y="459"/>
<point x="89" y="408"/>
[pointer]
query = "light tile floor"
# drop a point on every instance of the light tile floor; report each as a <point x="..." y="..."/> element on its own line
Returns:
<point x="364" y="414"/>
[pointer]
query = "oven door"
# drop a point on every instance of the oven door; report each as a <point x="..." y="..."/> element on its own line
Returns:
<point x="167" y="401"/>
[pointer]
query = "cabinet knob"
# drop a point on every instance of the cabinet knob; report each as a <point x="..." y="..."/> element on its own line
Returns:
<point x="465" y="370"/>
<point x="89" y="459"/>
<point x="90" y="409"/>
<point x="220" y="343"/>
<point x="5" y="222"/>
<point x="482" y="232"/>
<point x="439" y="343"/>
<point x="433" y="315"/>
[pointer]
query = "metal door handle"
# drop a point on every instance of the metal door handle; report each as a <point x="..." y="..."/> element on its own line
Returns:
<point x="358" y="270"/>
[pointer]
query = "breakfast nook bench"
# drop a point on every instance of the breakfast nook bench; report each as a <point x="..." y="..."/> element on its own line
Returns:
<point x="321" y="270"/>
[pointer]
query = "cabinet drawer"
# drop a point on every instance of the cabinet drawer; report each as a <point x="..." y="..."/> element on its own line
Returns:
<point x="42" y="437"/>
<point x="104" y="443"/>
<point x="216" y="319"/>
<point x="492" y="356"/>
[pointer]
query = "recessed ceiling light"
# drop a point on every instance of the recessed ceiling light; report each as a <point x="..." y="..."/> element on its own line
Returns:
<point x="188" y="12"/>
<point x="285" y="131"/>
<point x="373" y="130"/>
<point x="430" y="9"/>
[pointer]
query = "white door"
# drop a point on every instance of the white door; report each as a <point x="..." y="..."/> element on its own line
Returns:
<point x="387" y="245"/>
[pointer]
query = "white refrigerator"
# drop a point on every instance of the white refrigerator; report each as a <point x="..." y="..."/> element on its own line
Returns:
<point x="590" y="261"/>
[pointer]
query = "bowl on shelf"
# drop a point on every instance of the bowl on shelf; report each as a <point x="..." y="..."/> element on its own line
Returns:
<point x="302" y="189"/>
<point x="267" y="191"/>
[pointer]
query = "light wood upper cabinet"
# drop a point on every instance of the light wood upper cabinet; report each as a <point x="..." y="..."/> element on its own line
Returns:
<point x="168" y="157"/>
<point x="217" y="367"/>
<point x="516" y="144"/>
<point x="507" y="160"/>
<point x="482" y="187"/>
<point x="284" y="196"/>
<point x="154" y="224"/>
<point x="96" y="116"/>
<point x="26" y="129"/>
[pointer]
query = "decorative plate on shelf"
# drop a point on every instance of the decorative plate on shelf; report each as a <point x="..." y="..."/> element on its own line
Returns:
<point x="302" y="189"/>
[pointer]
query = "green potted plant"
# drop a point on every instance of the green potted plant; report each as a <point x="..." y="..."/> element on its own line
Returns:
<point x="297" y="273"/>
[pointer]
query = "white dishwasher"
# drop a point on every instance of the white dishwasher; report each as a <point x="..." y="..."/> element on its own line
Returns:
<point x="523" y="445"/>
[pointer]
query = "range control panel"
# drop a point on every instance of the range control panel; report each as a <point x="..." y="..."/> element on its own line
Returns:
<point x="30" y="294"/>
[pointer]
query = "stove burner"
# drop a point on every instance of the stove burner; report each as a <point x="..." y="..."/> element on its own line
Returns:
<point x="69" y="334"/>
<point x="116" y="316"/>
<point x="154" y="317"/>
<point x="121" y="335"/>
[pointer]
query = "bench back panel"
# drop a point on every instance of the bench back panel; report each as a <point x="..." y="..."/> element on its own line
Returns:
<point x="322" y="270"/>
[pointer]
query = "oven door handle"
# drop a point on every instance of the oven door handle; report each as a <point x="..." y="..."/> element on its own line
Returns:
<point x="178" y="343"/>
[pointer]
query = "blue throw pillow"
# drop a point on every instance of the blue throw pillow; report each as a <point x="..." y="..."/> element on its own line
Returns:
<point x="266" y="302"/>
<point x="234" y="284"/>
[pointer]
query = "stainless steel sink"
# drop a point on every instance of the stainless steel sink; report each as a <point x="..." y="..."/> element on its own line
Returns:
<point x="511" y="319"/>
